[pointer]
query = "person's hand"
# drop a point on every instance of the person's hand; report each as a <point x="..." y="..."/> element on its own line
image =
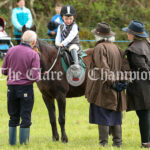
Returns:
<point x="119" y="85"/>
<point x="53" y="32"/>
<point x="60" y="45"/>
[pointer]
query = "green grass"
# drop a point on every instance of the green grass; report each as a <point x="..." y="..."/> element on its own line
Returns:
<point x="81" y="134"/>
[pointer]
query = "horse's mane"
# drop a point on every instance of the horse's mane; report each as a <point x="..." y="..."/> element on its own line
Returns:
<point x="47" y="52"/>
<point x="44" y="46"/>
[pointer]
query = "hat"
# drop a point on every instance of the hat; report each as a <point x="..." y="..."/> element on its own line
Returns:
<point x="136" y="28"/>
<point x="68" y="10"/>
<point x="103" y="30"/>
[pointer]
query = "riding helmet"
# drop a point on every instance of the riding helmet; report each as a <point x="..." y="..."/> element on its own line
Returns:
<point x="68" y="10"/>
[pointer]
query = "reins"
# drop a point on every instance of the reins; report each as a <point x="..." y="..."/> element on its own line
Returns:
<point x="46" y="72"/>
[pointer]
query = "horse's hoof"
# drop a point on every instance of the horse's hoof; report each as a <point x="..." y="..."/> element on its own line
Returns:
<point x="64" y="139"/>
<point x="56" y="138"/>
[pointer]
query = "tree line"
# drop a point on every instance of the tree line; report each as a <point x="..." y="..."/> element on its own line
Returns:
<point x="118" y="13"/>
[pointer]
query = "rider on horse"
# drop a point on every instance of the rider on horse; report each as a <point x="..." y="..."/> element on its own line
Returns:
<point x="68" y="33"/>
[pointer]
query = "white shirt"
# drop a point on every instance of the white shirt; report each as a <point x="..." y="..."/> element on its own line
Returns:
<point x="74" y="31"/>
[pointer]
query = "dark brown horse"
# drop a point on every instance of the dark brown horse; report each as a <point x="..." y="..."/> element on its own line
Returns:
<point x="57" y="89"/>
<point x="52" y="88"/>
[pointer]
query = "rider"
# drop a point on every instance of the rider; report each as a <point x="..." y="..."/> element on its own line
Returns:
<point x="68" y="33"/>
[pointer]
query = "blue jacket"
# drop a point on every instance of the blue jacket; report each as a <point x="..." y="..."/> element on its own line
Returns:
<point x="21" y="17"/>
<point x="57" y="18"/>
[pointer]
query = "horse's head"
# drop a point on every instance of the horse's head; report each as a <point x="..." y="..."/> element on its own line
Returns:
<point x="33" y="28"/>
<point x="24" y="28"/>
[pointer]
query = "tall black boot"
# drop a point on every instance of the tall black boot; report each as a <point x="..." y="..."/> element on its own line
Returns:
<point x="103" y="134"/>
<point x="74" y="55"/>
<point x="117" y="135"/>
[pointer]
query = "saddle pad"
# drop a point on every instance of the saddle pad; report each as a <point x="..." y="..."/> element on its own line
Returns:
<point x="81" y="61"/>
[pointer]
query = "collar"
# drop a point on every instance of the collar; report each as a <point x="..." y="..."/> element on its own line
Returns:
<point x="135" y="40"/>
<point x="21" y="8"/>
<point x="69" y="25"/>
<point x="25" y="44"/>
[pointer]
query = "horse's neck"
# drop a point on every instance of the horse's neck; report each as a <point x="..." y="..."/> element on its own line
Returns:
<point x="87" y="59"/>
<point x="43" y="46"/>
<point x="47" y="52"/>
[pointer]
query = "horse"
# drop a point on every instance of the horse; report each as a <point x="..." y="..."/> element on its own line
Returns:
<point x="58" y="89"/>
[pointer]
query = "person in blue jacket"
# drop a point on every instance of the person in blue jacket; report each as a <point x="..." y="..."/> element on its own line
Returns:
<point x="21" y="16"/>
<point x="55" y="22"/>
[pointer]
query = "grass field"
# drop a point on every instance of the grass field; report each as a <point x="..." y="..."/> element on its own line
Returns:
<point x="81" y="134"/>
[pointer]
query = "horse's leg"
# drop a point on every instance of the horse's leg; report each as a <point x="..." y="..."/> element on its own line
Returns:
<point x="49" y="102"/>
<point x="62" y="107"/>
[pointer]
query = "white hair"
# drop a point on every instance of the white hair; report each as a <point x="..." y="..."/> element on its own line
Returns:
<point x="109" y="39"/>
<point x="29" y="36"/>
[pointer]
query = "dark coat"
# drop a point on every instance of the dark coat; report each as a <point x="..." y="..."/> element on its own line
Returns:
<point x="138" y="91"/>
<point x="106" y="56"/>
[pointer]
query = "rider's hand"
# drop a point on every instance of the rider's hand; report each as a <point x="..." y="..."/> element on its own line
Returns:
<point x="60" y="45"/>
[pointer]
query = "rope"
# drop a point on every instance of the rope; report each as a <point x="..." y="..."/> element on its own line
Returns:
<point x="118" y="41"/>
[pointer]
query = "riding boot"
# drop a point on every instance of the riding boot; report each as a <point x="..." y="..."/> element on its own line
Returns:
<point x="103" y="134"/>
<point x="24" y="135"/>
<point x="117" y="135"/>
<point x="74" y="55"/>
<point x="12" y="135"/>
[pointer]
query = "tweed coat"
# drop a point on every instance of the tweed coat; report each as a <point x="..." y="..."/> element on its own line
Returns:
<point x="107" y="58"/>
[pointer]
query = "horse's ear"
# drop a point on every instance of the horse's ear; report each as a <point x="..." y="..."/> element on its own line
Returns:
<point x="33" y="28"/>
<point x="24" y="29"/>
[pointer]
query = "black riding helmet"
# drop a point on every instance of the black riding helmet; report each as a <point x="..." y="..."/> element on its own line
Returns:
<point x="68" y="10"/>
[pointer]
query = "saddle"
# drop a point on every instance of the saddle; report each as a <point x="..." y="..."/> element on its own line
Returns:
<point x="67" y="59"/>
<point x="65" y="54"/>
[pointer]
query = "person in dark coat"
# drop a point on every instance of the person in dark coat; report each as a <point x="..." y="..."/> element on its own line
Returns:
<point x="138" y="91"/>
<point x="106" y="103"/>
